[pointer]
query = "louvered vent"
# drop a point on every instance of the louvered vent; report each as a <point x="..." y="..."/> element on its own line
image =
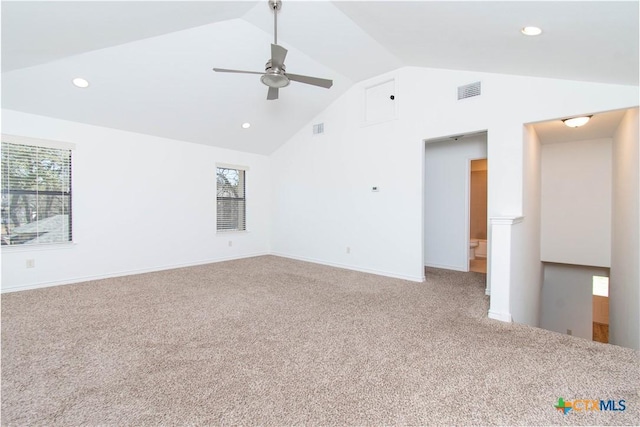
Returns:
<point x="467" y="91"/>
<point x="318" y="128"/>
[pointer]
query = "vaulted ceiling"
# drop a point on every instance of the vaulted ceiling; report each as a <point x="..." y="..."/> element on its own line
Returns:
<point x="150" y="63"/>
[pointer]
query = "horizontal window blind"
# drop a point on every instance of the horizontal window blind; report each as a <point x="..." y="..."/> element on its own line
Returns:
<point x="36" y="194"/>
<point x="231" y="201"/>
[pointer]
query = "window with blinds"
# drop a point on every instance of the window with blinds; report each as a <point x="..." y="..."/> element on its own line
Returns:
<point x="36" y="194"/>
<point x="231" y="202"/>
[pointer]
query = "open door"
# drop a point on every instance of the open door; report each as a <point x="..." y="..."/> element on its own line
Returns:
<point x="601" y="309"/>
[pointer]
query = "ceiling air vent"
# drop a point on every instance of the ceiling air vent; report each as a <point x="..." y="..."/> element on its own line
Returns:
<point x="318" y="129"/>
<point x="467" y="91"/>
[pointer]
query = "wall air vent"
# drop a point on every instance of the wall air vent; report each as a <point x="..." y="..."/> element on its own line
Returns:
<point x="318" y="128"/>
<point x="467" y="91"/>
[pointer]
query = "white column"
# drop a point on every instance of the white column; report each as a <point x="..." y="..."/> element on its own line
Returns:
<point x="499" y="282"/>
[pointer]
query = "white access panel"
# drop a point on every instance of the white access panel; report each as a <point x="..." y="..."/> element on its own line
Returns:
<point x="380" y="102"/>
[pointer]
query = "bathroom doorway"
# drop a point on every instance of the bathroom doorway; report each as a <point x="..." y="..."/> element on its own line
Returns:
<point x="478" y="172"/>
<point x="601" y="308"/>
<point x="447" y="166"/>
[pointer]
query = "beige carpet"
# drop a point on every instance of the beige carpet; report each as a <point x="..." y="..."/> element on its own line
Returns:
<point x="272" y="341"/>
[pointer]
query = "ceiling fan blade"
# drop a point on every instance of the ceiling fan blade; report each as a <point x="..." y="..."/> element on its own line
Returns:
<point x="315" y="81"/>
<point x="223" y="70"/>
<point x="278" y="53"/>
<point x="273" y="93"/>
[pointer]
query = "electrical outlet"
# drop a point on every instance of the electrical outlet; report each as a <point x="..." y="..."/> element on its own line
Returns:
<point x="31" y="263"/>
<point x="348" y="250"/>
<point x="569" y="332"/>
<point x="230" y="243"/>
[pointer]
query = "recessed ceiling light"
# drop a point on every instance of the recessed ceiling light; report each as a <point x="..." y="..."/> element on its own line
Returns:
<point x="531" y="31"/>
<point x="576" y="122"/>
<point x="246" y="125"/>
<point x="80" y="82"/>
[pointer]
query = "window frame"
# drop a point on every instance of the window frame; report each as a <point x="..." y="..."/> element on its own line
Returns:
<point x="47" y="144"/>
<point x="244" y="170"/>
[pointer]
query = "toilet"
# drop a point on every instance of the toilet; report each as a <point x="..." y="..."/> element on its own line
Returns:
<point x="477" y="248"/>
<point x="473" y="244"/>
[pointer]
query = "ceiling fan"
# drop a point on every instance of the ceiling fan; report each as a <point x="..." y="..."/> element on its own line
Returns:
<point x="274" y="74"/>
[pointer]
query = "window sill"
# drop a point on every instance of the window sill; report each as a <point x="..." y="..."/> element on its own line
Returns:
<point x="38" y="247"/>
<point x="227" y="232"/>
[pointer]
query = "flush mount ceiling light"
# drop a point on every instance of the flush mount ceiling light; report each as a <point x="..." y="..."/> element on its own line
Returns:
<point x="531" y="31"/>
<point x="246" y="125"/>
<point x="576" y="122"/>
<point x="80" y="82"/>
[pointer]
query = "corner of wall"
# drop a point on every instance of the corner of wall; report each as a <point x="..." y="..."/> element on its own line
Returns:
<point x="624" y="294"/>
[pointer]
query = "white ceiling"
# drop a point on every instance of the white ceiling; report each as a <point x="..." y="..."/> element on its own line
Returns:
<point x="582" y="40"/>
<point x="149" y="63"/>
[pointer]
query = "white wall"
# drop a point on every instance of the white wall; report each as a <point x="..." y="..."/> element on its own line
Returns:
<point x="624" y="293"/>
<point x="322" y="197"/>
<point x="526" y="270"/>
<point x="323" y="201"/>
<point x="576" y="202"/>
<point x="567" y="299"/>
<point x="140" y="203"/>
<point x="446" y="200"/>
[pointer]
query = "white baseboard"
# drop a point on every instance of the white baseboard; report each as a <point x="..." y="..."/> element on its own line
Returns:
<point x="351" y="267"/>
<point x="126" y="273"/>
<point x="109" y="275"/>
<point x="503" y="317"/>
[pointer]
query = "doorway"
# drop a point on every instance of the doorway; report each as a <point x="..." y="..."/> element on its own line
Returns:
<point x="600" y="291"/>
<point x="478" y="171"/>
<point x="446" y="198"/>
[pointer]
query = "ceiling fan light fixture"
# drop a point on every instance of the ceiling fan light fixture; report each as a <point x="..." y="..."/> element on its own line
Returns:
<point x="576" y="122"/>
<point x="275" y="80"/>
